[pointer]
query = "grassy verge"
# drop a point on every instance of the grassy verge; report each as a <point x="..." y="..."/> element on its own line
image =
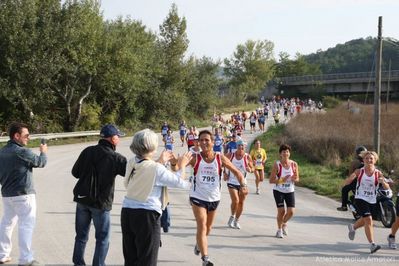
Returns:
<point x="324" y="180"/>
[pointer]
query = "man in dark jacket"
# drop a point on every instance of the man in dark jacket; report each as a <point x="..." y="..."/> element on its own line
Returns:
<point x="96" y="169"/>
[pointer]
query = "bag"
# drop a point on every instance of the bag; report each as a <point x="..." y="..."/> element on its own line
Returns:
<point x="86" y="189"/>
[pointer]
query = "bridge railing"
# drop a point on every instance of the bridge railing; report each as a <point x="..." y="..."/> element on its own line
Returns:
<point x="355" y="75"/>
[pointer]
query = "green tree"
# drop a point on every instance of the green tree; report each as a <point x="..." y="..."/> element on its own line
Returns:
<point x="26" y="50"/>
<point x="203" y="91"/>
<point x="171" y="101"/>
<point x="126" y="71"/>
<point x="297" y="67"/>
<point x="80" y="32"/>
<point x="249" y="68"/>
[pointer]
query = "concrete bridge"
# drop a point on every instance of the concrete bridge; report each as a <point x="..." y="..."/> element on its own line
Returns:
<point x="336" y="84"/>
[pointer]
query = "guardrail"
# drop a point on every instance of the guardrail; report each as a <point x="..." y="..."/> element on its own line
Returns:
<point x="58" y="135"/>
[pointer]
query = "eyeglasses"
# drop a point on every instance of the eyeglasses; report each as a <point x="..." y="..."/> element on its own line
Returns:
<point x="25" y="136"/>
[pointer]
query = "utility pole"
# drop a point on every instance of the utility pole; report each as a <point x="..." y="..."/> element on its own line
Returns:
<point x="377" y="93"/>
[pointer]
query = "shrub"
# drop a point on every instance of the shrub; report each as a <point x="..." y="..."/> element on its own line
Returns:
<point x="330" y="102"/>
<point x="330" y="138"/>
<point x="90" y="117"/>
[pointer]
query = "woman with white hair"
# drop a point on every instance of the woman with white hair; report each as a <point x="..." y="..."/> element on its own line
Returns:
<point x="146" y="182"/>
<point x="368" y="178"/>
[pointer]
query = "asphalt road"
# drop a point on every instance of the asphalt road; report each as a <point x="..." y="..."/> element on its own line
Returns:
<point x="317" y="232"/>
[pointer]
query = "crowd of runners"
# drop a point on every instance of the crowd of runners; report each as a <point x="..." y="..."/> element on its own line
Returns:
<point x="222" y="151"/>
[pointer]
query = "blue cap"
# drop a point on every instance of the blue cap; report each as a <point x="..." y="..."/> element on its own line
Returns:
<point x="110" y="130"/>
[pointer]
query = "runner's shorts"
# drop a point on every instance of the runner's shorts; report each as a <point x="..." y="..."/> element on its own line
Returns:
<point x="280" y="198"/>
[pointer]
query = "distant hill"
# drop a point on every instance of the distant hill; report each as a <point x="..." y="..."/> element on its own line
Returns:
<point x="356" y="56"/>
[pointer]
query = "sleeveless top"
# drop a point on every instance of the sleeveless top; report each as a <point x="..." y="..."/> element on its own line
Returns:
<point x="287" y="186"/>
<point x="190" y="139"/>
<point x="241" y="165"/>
<point x="206" y="184"/>
<point x="366" y="186"/>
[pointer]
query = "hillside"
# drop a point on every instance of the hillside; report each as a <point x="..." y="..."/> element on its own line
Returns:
<point x="355" y="56"/>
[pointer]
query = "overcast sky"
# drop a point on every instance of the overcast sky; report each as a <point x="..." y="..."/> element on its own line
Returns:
<point x="216" y="27"/>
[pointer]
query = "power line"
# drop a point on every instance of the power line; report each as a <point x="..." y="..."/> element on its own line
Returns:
<point x="391" y="42"/>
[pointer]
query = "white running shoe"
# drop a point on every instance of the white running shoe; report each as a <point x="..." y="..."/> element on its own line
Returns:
<point x="279" y="234"/>
<point x="285" y="230"/>
<point x="206" y="262"/>
<point x="391" y="242"/>
<point x="236" y="224"/>
<point x="352" y="232"/>
<point x="230" y="223"/>
<point x="5" y="259"/>
<point x="257" y="191"/>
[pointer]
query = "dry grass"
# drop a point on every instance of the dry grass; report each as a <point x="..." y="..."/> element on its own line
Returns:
<point x="330" y="138"/>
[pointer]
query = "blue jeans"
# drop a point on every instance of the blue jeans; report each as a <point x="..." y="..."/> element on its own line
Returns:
<point x="101" y="221"/>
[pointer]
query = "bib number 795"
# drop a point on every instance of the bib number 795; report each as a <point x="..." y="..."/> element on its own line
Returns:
<point x="208" y="179"/>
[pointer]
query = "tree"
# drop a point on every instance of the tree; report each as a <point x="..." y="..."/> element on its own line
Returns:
<point x="80" y="32"/>
<point x="126" y="71"/>
<point x="173" y="43"/>
<point x="26" y="48"/>
<point x="249" y="69"/>
<point x="297" y="67"/>
<point x="204" y="88"/>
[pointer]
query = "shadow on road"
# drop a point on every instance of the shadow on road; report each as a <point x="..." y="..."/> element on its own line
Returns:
<point x="322" y="220"/>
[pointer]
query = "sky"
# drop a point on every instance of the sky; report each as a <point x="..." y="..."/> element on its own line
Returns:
<point x="216" y="27"/>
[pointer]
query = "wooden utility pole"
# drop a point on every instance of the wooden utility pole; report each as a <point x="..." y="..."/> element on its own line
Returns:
<point x="377" y="93"/>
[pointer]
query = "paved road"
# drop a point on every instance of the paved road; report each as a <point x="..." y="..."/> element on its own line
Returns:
<point x="317" y="233"/>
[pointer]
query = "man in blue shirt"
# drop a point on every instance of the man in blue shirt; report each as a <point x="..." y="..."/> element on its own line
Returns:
<point x="19" y="201"/>
<point x="231" y="146"/>
<point x="218" y="146"/>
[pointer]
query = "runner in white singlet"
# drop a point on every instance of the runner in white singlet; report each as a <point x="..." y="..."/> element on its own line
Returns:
<point x="284" y="174"/>
<point x="243" y="162"/>
<point x="368" y="178"/>
<point x="205" y="191"/>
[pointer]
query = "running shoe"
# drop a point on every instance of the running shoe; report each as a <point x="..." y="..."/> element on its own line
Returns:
<point x="342" y="209"/>
<point x="374" y="248"/>
<point x="279" y="234"/>
<point x="230" y="223"/>
<point x="257" y="191"/>
<point x="32" y="263"/>
<point x="206" y="262"/>
<point x="352" y="232"/>
<point x="5" y="260"/>
<point x="285" y="230"/>
<point x="236" y="224"/>
<point x="391" y="242"/>
<point x="196" y="250"/>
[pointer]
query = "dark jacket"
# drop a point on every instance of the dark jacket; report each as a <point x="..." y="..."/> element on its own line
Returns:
<point x="16" y="163"/>
<point x="108" y="164"/>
